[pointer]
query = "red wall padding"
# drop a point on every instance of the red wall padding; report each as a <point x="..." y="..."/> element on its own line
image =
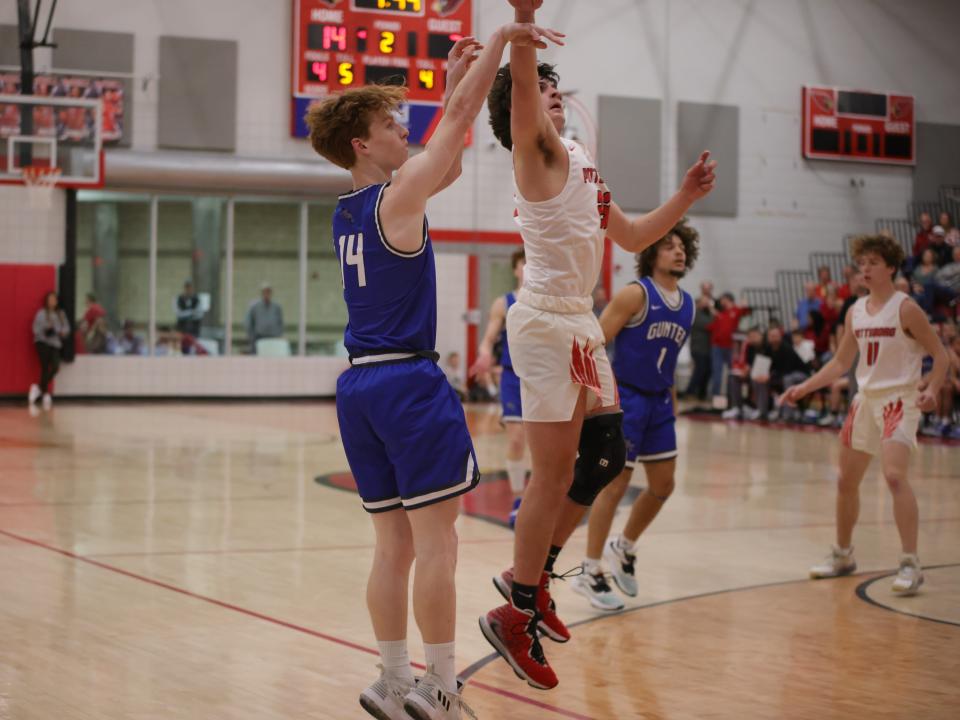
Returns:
<point x="22" y="288"/>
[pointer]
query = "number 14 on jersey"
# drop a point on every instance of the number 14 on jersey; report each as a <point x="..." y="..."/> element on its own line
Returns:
<point x="351" y="253"/>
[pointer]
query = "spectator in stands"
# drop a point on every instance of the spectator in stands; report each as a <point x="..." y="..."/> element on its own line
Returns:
<point x="98" y="339"/>
<point x="942" y="252"/>
<point x="786" y="370"/>
<point x="946" y="222"/>
<point x="740" y="377"/>
<point x="808" y="304"/>
<point x="845" y="291"/>
<point x="947" y="278"/>
<point x="830" y="312"/>
<point x="188" y="310"/>
<point x="857" y="291"/>
<point x="264" y="318"/>
<point x="924" y="236"/>
<point x="50" y="327"/>
<point x="129" y="343"/>
<point x="825" y="282"/>
<point x="94" y="311"/>
<point x="700" y="343"/>
<point x="722" y="328"/>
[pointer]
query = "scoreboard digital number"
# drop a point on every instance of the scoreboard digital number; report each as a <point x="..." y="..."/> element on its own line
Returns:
<point x="340" y="44"/>
<point x="860" y="126"/>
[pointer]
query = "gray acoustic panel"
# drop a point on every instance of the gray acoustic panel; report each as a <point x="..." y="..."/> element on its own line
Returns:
<point x="9" y="45"/>
<point x="198" y="94"/>
<point x="938" y="160"/>
<point x="93" y="51"/>
<point x="629" y="150"/>
<point x="715" y="128"/>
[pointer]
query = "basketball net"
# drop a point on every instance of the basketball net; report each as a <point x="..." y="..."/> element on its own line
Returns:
<point x="40" y="183"/>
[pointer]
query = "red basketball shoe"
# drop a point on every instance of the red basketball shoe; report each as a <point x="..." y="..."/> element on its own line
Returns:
<point x="513" y="634"/>
<point x="550" y="623"/>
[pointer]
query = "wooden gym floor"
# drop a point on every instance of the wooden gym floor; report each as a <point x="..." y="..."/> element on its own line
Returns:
<point x="183" y="561"/>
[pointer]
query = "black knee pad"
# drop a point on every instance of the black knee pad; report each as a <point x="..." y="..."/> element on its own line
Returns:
<point x="603" y="455"/>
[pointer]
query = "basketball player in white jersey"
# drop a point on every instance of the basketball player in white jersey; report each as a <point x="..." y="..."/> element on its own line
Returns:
<point x="892" y="335"/>
<point x="564" y="210"/>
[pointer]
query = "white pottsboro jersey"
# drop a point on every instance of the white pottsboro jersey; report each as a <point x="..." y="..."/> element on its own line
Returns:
<point x="563" y="237"/>
<point x="889" y="358"/>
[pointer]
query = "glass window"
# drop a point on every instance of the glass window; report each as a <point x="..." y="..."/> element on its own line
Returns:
<point x="191" y="261"/>
<point x="327" y="313"/>
<point x="113" y="273"/>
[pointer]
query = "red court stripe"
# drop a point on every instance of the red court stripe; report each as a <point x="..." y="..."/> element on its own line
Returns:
<point x="276" y="621"/>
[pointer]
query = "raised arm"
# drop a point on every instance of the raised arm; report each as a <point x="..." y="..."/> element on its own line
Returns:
<point x="405" y="200"/>
<point x="625" y="304"/>
<point x="498" y="315"/>
<point x="838" y="365"/>
<point x="462" y="55"/>
<point x="636" y="235"/>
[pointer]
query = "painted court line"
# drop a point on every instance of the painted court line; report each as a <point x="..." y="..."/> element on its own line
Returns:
<point x="276" y="621"/>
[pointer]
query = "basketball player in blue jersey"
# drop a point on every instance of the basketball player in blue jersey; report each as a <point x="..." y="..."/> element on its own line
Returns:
<point x="648" y="321"/>
<point x="402" y="426"/>
<point x="512" y="416"/>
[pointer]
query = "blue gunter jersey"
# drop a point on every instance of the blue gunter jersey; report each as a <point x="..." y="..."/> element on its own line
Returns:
<point x="504" y="346"/>
<point x="391" y="295"/>
<point x="647" y="348"/>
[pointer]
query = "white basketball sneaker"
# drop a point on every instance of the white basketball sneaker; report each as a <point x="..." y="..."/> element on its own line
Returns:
<point x="34" y="394"/>
<point x="429" y="700"/>
<point x="623" y="567"/>
<point x="838" y="562"/>
<point x="384" y="699"/>
<point x="47" y="401"/>
<point x="910" y="577"/>
<point x="597" y="590"/>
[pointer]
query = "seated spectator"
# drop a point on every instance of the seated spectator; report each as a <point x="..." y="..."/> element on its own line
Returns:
<point x="924" y="236"/>
<point x="129" y="343"/>
<point x="739" y="377"/>
<point x="722" y="328"/>
<point x="451" y="368"/>
<point x="824" y="282"/>
<point x="98" y="340"/>
<point x="947" y="279"/>
<point x="952" y="232"/>
<point x="924" y="272"/>
<point x="808" y="304"/>
<point x="264" y="318"/>
<point x="942" y="252"/>
<point x="786" y="370"/>
<point x="94" y="311"/>
<point x="173" y="342"/>
<point x="845" y="290"/>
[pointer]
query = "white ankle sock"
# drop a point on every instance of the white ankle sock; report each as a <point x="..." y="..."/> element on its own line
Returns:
<point x="625" y="544"/>
<point x="443" y="659"/>
<point x="396" y="659"/>
<point x="592" y="566"/>
<point x="517" y="473"/>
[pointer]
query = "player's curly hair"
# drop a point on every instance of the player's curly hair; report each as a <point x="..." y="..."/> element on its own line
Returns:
<point x="885" y="246"/>
<point x="336" y="120"/>
<point x="498" y="100"/>
<point x="690" y="238"/>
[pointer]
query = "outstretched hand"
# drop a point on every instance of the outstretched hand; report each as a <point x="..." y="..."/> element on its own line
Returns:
<point x="793" y="395"/>
<point x="528" y="34"/>
<point x="701" y="178"/>
<point x="462" y="55"/>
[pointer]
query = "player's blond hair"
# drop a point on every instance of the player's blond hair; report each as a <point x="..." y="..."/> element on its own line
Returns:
<point x="336" y="120"/>
<point x="885" y="246"/>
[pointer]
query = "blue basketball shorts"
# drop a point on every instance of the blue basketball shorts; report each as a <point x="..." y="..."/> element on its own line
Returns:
<point x="512" y="411"/>
<point x="405" y="435"/>
<point x="649" y="425"/>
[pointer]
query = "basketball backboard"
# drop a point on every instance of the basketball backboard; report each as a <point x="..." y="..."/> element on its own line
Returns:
<point x="62" y="131"/>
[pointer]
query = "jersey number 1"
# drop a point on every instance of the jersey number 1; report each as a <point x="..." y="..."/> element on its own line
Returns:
<point x="350" y="257"/>
<point x="873" y="353"/>
<point x="663" y="355"/>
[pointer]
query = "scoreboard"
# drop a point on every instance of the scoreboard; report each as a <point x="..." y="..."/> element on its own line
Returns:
<point x="342" y="44"/>
<point x="859" y="126"/>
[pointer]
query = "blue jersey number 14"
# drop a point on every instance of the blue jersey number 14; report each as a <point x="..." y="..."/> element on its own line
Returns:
<point x="352" y="256"/>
